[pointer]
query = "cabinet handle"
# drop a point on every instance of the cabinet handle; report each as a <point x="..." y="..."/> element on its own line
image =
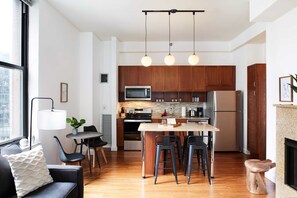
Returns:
<point x="254" y="93"/>
<point x="254" y="84"/>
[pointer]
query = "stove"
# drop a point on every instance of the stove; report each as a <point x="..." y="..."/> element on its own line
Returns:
<point x="138" y="114"/>
<point x="134" y="117"/>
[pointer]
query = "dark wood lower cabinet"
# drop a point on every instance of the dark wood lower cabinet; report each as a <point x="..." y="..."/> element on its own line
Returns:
<point x="120" y="134"/>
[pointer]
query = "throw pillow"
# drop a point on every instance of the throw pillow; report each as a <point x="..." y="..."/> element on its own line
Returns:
<point x="10" y="149"/>
<point x="29" y="170"/>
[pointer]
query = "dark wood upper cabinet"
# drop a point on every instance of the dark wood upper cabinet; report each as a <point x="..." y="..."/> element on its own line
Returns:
<point x="134" y="76"/>
<point x="178" y="78"/>
<point x="144" y="76"/>
<point x="212" y="77"/>
<point x="128" y="76"/>
<point x="220" y="78"/>
<point x="157" y="78"/>
<point x="198" y="79"/>
<point x="121" y="81"/>
<point x="171" y="79"/>
<point x="227" y="76"/>
<point x="251" y="78"/>
<point x="185" y="78"/>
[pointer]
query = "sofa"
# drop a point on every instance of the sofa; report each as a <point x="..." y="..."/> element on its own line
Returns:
<point x="68" y="180"/>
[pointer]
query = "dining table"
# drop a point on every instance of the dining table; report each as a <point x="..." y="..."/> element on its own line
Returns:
<point x="150" y="130"/>
<point x="89" y="136"/>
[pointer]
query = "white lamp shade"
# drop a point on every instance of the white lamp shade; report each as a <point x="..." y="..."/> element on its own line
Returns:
<point x="51" y="119"/>
<point x="169" y="59"/>
<point x="146" y="61"/>
<point x="193" y="59"/>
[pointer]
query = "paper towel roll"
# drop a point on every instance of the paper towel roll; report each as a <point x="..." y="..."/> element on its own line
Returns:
<point x="183" y="111"/>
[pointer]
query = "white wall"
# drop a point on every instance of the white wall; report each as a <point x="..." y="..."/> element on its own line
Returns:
<point x="114" y="89"/>
<point x="210" y="53"/>
<point x="58" y="52"/>
<point x="257" y="7"/>
<point x="96" y="81"/>
<point x="247" y="55"/>
<point x="86" y="77"/>
<point x="270" y="10"/>
<point x="281" y="61"/>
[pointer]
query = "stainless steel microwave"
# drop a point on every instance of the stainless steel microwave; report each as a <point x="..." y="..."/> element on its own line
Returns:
<point x="138" y="92"/>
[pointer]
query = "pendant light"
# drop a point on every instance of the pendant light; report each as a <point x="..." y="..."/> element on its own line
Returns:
<point x="193" y="59"/>
<point x="146" y="60"/>
<point x="169" y="59"/>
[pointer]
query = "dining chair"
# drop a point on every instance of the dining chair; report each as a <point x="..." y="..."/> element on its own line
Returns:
<point x="68" y="157"/>
<point x="96" y="143"/>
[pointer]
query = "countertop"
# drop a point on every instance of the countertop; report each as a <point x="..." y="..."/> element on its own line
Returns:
<point x="180" y="117"/>
<point x="182" y="127"/>
<point x="176" y="117"/>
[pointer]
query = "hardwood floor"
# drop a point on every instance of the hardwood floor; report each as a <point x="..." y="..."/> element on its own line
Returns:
<point x="121" y="177"/>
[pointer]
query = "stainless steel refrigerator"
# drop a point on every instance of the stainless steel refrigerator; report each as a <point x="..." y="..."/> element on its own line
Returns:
<point x="225" y="111"/>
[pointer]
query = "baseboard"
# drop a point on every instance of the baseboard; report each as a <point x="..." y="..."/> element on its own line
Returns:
<point x="115" y="148"/>
<point x="245" y="151"/>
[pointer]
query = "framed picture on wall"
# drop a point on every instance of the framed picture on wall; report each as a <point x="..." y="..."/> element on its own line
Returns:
<point x="63" y="92"/>
<point x="285" y="91"/>
<point x="104" y="78"/>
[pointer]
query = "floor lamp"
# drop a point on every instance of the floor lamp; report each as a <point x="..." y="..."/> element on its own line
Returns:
<point x="50" y="119"/>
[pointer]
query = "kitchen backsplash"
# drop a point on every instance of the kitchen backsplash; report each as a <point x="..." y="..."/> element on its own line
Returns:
<point x="159" y="107"/>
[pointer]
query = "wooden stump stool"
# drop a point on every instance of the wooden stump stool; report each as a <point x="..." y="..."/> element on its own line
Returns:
<point x="254" y="181"/>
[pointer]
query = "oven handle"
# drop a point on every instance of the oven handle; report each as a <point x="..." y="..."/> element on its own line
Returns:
<point x="141" y="121"/>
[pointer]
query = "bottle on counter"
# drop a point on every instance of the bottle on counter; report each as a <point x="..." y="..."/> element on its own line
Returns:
<point x="183" y="111"/>
<point x="164" y="113"/>
<point x="122" y="112"/>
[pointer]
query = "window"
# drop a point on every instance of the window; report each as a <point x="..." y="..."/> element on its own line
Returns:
<point x="13" y="70"/>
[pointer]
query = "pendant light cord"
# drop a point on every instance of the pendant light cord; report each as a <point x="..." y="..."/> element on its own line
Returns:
<point x="145" y="28"/>
<point x="169" y="34"/>
<point x="194" y="33"/>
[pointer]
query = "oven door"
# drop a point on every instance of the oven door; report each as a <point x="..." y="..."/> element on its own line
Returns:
<point x="132" y="137"/>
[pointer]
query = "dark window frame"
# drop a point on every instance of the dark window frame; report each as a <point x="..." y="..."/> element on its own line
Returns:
<point x="24" y="68"/>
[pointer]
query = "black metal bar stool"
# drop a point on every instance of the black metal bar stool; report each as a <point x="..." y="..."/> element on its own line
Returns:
<point x="185" y="145"/>
<point x="164" y="143"/>
<point x="186" y="150"/>
<point x="196" y="143"/>
<point x="177" y="141"/>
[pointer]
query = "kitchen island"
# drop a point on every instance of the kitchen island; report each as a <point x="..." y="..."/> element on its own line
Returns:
<point x="150" y="130"/>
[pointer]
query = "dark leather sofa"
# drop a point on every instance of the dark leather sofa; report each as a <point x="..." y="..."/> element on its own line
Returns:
<point x="68" y="182"/>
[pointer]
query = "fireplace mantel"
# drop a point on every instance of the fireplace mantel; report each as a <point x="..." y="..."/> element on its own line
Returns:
<point x="286" y="127"/>
<point x="285" y="106"/>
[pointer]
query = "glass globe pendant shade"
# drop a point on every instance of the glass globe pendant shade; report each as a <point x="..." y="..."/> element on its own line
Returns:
<point x="146" y="61"/>
<point x="169" y="59"/>
<point x="193" y="59"/>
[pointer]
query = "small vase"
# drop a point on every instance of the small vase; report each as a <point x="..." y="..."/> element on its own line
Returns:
<point x="74" y="131"/>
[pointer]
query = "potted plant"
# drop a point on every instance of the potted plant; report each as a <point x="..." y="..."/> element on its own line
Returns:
<point x="294" y="88"/>
<point x="75" y="123"/>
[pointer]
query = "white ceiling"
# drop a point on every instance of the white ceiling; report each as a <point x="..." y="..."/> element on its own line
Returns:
<point x="222" y="20"/>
